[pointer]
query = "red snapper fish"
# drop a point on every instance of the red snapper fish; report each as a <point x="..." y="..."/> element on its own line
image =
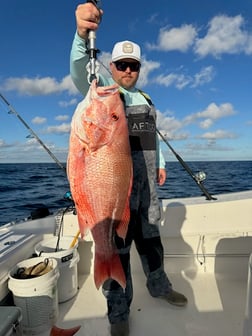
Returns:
<point x="99" y="170"/>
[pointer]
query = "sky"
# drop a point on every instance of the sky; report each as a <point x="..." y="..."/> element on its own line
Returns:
<point x="196" y="66"/>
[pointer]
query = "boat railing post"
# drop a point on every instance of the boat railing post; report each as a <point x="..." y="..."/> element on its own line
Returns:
<point x="247" y="326"/>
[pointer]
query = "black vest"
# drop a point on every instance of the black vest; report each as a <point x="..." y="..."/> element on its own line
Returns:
<point x="141" y="124"/>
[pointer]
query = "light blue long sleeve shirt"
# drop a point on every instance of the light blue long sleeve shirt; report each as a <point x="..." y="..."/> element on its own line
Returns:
<point x="78" y="61"/>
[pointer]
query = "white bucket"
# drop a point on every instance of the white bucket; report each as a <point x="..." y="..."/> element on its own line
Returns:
<point x="68" y="259"/>
<point x="37" y="297"/>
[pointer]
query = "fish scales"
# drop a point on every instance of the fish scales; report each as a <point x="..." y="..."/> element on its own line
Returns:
<point x="100" y="175"/>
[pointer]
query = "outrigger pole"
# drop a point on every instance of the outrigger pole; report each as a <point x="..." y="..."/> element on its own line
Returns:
<point x="196" y="178"/>
<point x="13" y="111"/>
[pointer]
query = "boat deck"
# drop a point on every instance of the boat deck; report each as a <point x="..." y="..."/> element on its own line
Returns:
<point x="208" y="312"/>
<point x="215" y="307"/>
<point x="207" y="248"/>
<point x="206" y="259"/>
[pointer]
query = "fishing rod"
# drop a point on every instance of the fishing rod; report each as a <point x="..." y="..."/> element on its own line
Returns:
<point x="198" y="178"/>
<point x="13" y="111"/>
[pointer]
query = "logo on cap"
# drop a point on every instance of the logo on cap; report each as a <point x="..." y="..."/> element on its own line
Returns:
<point x="127" y="48"/>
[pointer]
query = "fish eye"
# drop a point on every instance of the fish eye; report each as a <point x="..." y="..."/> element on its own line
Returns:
<point x="115" y="117"/>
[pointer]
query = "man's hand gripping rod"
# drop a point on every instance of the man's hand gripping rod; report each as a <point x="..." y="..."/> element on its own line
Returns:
<point x="92" y="66"/>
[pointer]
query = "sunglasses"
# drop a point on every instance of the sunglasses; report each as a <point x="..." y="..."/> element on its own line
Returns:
<point x="122" y="66"/>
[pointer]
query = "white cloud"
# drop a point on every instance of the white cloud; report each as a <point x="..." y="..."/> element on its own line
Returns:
<point x="205" y="75"/>
<point x="71" y="102"/>
<point x="181" y="38"/>
<point x="170" y="127"/>
<point x="225" y="35"/>
<point x="103" y="61"/>
<point x="31" y="151"/>
<point x="3" y="144"/>
<point x="146" y="68"/>
<point x="39" y="86"/>
<point x="211" y="113"/>
<point x="215" y="112"/>
<point x="67" y="84"/>
<point x="218" y="134"/>
<point x="207" y="123"/>
<point x="248" y="45"/>
<point x="173" y="128"/>
<point x="62" y="117"/>
<point x="63" y="128"/>
<point x="38" y="120"/>
<point x="209" y="145"/>
<point x="180" y="81"/>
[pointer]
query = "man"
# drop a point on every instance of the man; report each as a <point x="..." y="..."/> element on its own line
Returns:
<point x="144" y="204"/>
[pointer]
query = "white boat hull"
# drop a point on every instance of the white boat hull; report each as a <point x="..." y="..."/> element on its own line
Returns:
<point x="207" y="248"/>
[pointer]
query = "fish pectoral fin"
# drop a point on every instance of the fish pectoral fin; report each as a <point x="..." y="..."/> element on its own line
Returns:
<point x="108" y="269"/>
<point x="122" y="227"/>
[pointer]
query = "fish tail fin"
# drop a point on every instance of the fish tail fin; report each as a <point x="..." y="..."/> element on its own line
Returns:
<point x="108" y="269"/>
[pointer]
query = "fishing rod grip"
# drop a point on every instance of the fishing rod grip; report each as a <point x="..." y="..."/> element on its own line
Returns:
<point x="92" y="47"/>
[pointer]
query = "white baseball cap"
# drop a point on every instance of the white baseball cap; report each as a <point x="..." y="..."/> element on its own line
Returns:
<point x="126" y="49"/>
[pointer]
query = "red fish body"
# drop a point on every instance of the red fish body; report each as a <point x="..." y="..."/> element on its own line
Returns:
<point x="100" y="175"/>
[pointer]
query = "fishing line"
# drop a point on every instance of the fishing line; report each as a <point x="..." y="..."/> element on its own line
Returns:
<point x="61" y="228"/>
<point x="13" y="111"/>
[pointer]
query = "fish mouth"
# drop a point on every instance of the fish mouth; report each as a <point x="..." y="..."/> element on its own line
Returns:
<point x="109" y="91"/>
<point x="101" y="92"/>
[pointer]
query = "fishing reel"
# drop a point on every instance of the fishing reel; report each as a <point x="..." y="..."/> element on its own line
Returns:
<point x="200" y="176"/>
<point x="68" y="197"/>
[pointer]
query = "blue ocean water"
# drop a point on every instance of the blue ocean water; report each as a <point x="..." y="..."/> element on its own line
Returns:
<point x="25" y="187"/>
